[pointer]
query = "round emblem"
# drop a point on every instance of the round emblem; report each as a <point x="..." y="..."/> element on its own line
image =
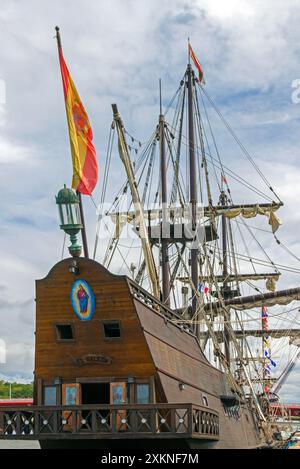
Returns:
<point x="83" y="300"/>
<point x="80" y="117"/>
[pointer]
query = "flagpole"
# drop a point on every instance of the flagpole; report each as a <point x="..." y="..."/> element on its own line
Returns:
<point x="83" y="230"/>
<point x="58" y="38"/>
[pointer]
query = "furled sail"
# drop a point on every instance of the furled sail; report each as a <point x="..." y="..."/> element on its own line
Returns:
<point x="234" y="278"/>
<point x="293" y="334"/>
<point x="253" y="211"/>
<point x="282" y="297"/>
<point x="232" y="211"/>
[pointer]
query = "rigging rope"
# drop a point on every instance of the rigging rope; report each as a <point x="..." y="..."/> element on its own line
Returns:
<point x="104" y="187"/>
<point x="177" y="161"/>
<point x="243" y="148"/>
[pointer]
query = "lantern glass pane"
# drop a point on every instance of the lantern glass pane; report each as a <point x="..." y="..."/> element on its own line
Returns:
<point x="68" y="214"/>
<point x="65" y="214"/>
<point x="60" y="214"/>
<point x="77" y="216"/>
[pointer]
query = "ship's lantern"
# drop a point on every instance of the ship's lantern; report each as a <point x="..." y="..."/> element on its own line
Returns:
<point x="69" y="216"/>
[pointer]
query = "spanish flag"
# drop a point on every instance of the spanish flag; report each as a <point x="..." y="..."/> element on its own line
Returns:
<point x="85" y="167"/>
<point x="197" y="64"/>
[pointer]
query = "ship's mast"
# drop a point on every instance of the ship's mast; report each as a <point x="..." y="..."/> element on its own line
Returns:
<point x="164" y="201"/>
<point x="193" y="184"/>
<point x="143" y="230"/>
<point x="226" y="288"/>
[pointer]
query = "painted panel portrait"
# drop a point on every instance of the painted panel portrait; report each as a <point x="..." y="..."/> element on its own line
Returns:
<point x="82" y="299"/>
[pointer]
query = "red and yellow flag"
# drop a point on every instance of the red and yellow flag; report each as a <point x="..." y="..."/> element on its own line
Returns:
<point x="197" y="64"/>
<point x="85" y="167"/>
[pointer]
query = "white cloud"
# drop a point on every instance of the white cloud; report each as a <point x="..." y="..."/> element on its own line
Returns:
<point x="231" y="9"/>
<point x="13" y="153"/>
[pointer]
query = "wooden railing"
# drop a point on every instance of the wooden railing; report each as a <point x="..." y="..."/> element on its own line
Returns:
<point x="149" y="300"/>
<point x="109" y="421"/>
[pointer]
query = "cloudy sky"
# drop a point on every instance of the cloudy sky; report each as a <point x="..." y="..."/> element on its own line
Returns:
<point x="116" y="51"/>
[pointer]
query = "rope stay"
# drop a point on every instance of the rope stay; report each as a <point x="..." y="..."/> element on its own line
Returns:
<point x="209" y="166"/>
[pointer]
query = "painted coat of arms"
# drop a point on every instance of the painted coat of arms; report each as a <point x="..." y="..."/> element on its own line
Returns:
<point x="83" y="300"/>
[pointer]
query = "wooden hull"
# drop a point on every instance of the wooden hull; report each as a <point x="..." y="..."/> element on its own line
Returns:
<point x="139" y="444"/>
<point x="119" y="445"/>
<point x="153" y="348"/>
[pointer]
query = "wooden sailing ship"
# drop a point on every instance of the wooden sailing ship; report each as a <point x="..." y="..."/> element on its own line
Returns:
<point x="119" y="363"/>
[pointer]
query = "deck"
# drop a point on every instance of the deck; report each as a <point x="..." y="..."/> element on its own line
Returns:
<point x="109" y="422"/>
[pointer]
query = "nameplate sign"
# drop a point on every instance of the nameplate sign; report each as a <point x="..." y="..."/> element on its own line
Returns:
<point x="92" y="359"/>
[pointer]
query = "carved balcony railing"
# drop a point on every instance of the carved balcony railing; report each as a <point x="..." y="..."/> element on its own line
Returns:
<point x="109" y="421"/>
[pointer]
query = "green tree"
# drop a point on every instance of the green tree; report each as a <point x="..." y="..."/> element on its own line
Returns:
<point x="18" y="390"/>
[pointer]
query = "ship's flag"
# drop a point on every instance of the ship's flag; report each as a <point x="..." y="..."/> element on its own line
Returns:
<point x="270" y="359"/>
<point x="202" y="288"/>
<point x="267" y="368"/>
<point x="266" y="389"/>
<point x="197" y="64"/>
<point x="265" y="318"/>
<point x="85" y="167"/>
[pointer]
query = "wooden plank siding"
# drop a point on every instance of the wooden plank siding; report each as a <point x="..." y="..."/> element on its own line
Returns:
<point x="178" y="354"/>
<point x="129" y="354"/>
<point x="178" y="358"/>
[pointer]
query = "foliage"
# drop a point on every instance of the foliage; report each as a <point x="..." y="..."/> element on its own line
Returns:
<point x="18" y="390"/>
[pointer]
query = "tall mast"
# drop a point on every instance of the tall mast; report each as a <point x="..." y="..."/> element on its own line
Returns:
<point x="263" y="361"/>
<point x="226" y="289"/>
<point x="83" y="230"/>
<point x="143" y="230"/>
<point x="164" y="201"/>
<point x="193" y="184"/>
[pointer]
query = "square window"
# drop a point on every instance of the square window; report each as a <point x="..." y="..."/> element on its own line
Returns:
<point x="142" y="394"/>
<point x="50" y="395"/>
<point x="112" y="329"/>
<point x="64" y="331"/>
<point x="70" y="391"/>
